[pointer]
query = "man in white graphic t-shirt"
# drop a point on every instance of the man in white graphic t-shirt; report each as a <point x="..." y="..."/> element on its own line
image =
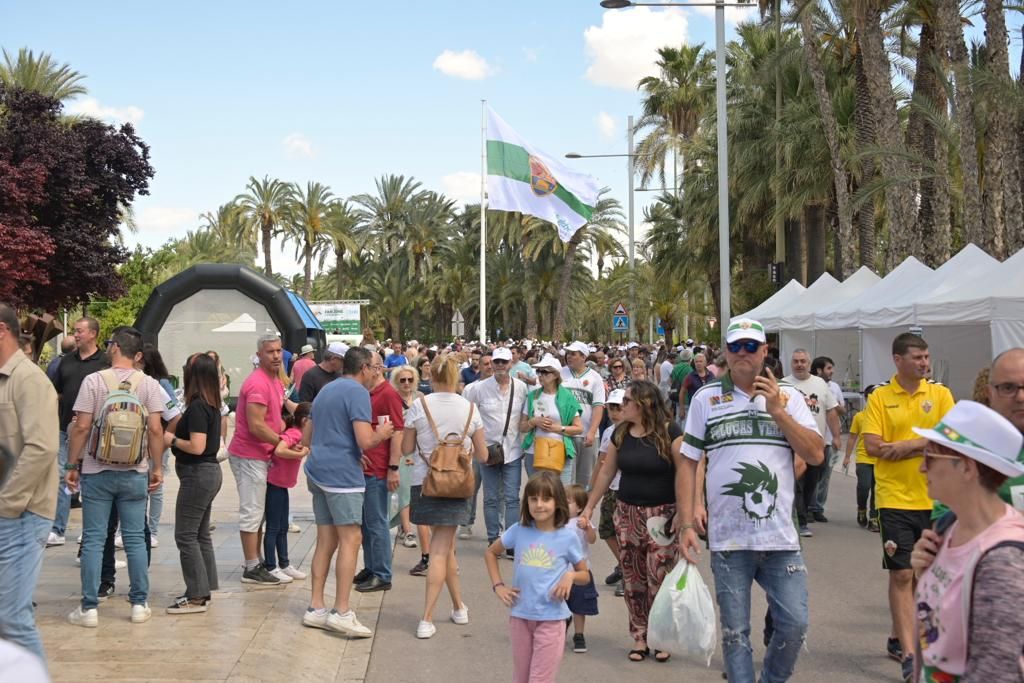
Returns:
<point x="587" y="386"/>
<point x="750" y="425"/>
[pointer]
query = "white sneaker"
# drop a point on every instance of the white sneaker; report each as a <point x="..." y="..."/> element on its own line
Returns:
<point x="78" y="560"/>
<point x="466" y="532"/>
<point x="426" y="629"/>
<point x="294" y="528"/>
<point x="294" y="573"/>
<point x="315" y="618"/>
<point x="118" y="542"/>
<point x="120" y="564"/>
<point x="88" y="618"/>
<point x="79" y="539"/>
<point x="141" y="613"/>
<point x="461" y="616"/>
<point x="281" y="575"/>
<point x="153" y="542"/>
<point x="347" y="624"/>
<point x="409" y="540"/>
<point x="53" y="539"/>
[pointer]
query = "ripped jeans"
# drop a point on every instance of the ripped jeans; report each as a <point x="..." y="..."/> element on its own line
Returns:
<point x="783" y="575"/>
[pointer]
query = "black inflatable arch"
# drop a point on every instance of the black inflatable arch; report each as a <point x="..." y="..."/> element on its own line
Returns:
<point x="261" y="289"/>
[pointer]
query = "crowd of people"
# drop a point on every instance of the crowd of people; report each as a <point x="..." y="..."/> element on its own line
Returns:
<point x="661" y="452"/>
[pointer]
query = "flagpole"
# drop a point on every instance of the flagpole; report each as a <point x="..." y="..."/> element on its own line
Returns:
<point x="483" y="221"/>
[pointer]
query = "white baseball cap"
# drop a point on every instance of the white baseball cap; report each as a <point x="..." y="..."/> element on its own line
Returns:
<point x="615" y="398"/>
<point x="981" y="434"/>
<point x="337" y="348"/>
<point x="578" y="347"/>
<point x="745" y="328"/>
<point x="501" y="353"/>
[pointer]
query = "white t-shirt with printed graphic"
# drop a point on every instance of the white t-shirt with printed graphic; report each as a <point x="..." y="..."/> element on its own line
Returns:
<point x="750" y="478"/>
<point x="818" y="397"/>
<point x="588" y="389"/>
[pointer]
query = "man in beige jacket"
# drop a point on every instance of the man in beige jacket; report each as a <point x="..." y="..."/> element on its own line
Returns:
<point x="28" y="501"/>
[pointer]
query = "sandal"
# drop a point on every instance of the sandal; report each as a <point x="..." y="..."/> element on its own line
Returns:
<point x="659" y="658"/>
<point x="640" y="655"/>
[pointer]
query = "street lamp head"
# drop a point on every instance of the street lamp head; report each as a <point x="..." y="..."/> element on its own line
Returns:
<point x="616" y="4"/>
<point x="573" y="155"/>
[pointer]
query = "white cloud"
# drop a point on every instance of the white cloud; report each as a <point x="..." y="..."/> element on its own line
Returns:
<point x="297" y="145"/>
<point x="462" y="185"/>
<point x="467" y="65"/>
<point x="733" y="14"/>
<point x="607" y="124"/>
<point x="623" y="49"/>
<point x="90" y="106"/>
<point x="532" y="54"/>
<point x="166" y="220"/>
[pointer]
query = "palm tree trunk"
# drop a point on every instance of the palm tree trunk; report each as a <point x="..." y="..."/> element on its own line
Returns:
<point x="865" y="137"/>
<point x="933" y="216"/>
<point x="830" y="126"/>
<point x="531" y="317"/>
<point x="950" y="37"/>
<point x="339" y="277"/>
<point x="307" y="269"/>
<point x="814" y="224"/>
<point x="998" y="136"/>
<point x="1016" y="241"/>
<point x="794" y="251"/>
<point x="558" y="325"/>
<point x="899" y="196"/>
<point x="266" y="229"/>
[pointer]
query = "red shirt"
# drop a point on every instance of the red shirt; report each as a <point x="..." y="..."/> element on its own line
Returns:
<point x="384" y="400"/>
<point x="284" y="472"/>
<point x="299" y="369"/>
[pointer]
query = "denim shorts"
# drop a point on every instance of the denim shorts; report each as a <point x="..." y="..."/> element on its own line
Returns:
<point x="335" y="509"/>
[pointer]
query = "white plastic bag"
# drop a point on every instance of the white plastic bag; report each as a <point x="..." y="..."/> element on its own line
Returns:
<point x="682" y="618"/>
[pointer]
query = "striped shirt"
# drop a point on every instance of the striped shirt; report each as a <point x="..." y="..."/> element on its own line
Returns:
<point x="750" y="479"/>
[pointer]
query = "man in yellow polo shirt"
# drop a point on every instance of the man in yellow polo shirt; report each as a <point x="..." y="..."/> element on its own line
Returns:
<point x="909" y="400"/>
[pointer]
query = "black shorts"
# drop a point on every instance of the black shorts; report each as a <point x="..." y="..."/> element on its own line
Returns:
<point x="900" y="530"/>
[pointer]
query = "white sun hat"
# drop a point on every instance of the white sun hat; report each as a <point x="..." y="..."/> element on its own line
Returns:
<point x="981" y="434"/>
<point x="548" y="361"/>
<point x="578" y="347"/>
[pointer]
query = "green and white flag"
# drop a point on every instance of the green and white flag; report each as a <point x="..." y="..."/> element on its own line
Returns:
<point x="522" y="178"/>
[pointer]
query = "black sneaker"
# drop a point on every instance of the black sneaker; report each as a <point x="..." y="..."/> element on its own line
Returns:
<point x="185" y="605"/>
<point x="620" y="590"/>
<point x="510" y="553"/>
<point x="894" y="649"/>
<point x="105" y="591"/>
<point x="362" y="576"/>
<point x="421" y="568"/>
<point x="820" y="517"/>
<point x="579" y="643"/>
<point x="907" y="668"/>
<point x="862" y="518"/>
<point x="260" y="575"/>
<point x="373" y="584"/>
<point x="614" y="577"/>
<point x="873" y="526"/>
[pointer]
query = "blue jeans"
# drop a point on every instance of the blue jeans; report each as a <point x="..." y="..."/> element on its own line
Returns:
<point x="275" y="539"/>
<point x="501" y="482"/>
<point x="60" y="521"/>
<point x="821" y="497"/>
<point x="783" y="576"/>
<point x="22" y="540"/>
<point x="376" y="528"/>
<point x="101" y="492"/>
<point x="156" y="499"/>
<point x="478" y="478"/>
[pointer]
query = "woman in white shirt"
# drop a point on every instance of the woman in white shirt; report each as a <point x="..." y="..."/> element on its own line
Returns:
<point x="450" y="413"/>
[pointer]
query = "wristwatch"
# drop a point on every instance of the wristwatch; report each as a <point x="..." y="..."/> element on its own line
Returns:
<point x="393" y="468"/>
<point x="69" y="466"/>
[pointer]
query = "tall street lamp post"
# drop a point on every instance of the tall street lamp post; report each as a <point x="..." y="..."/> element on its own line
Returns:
<point x="723" y="144"/>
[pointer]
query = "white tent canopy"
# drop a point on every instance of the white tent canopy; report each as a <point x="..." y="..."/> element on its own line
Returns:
<point x="849" y="289"/>
<point x="776" y="302"/>
<point x="818" y="294"/>
<point x="852" y="313"/>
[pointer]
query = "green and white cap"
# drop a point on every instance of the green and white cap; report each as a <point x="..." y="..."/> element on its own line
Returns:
<point x="745" y="328"/>
<point x="981" y="434"/>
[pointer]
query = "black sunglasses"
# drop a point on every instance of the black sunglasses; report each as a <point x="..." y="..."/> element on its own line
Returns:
<point x="499" y="361"/>
<point x="748" y="345"/>
<point x="406" y="380"/>
<point x="545" y="372"/>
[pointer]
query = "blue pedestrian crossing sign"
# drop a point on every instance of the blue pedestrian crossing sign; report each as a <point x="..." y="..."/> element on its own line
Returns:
<point x="620" y="319"/>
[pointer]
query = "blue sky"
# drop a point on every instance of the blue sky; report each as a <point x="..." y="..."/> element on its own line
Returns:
<point x="344" y="92"/>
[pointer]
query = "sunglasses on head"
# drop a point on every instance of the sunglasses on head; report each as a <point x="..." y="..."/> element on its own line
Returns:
<point x="748" y="345"/>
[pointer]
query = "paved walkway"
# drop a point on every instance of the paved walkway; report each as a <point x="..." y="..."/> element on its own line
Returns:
<point x="255" y="633"/>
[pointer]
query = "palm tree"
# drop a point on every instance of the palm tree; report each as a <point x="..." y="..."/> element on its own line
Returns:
<point x="339" y="236"/>
<point x="41" y="74"/>
<point x="304" y="217"/>
<point x="264" y="205"/>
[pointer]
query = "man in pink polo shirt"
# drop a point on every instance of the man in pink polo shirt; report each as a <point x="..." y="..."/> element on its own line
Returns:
<point x="258" y="426"/>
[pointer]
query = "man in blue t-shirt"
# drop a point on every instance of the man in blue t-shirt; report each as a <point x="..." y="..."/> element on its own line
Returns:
<point x="396" y="357"/>
<point x="339" y="430"/>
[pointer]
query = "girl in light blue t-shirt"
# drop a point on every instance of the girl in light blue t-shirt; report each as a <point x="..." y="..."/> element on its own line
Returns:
<point x="548" y="561"/>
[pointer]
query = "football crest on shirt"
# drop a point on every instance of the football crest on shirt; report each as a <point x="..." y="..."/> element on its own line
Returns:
<point x="926" y="406"/>
<point x="758" y="487"/>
